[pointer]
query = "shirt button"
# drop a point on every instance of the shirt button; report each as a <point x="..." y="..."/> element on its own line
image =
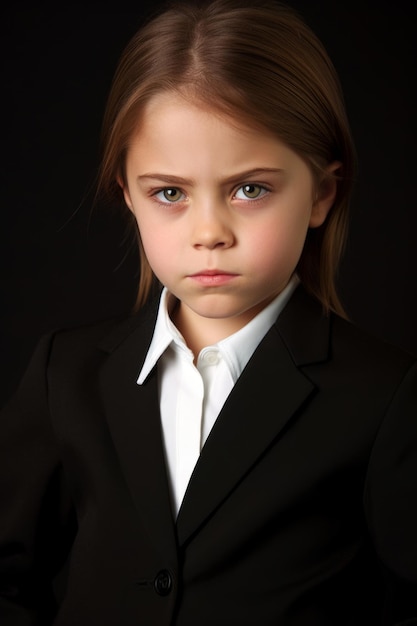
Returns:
<point x="211" y="357"/>
<point x="163" y="583"/>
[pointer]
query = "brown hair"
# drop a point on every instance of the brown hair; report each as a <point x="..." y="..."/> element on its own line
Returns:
<point x="259" y="62"/>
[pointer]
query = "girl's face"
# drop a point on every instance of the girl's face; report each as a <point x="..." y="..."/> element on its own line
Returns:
<point x="222" y="209"/>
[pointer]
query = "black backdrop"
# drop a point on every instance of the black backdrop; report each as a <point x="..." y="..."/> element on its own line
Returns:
<point x="64" y="264"/>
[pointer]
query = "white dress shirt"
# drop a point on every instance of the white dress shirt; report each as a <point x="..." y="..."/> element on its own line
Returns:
<point x="191" y="396"/>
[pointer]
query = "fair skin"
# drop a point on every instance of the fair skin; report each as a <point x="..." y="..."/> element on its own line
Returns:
<point x="223" y="210"/>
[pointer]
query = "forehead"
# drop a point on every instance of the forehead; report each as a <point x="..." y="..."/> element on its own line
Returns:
<point x="170" y="118"/>
<point x="183" y="139"/>
<point x="236" y="112"/>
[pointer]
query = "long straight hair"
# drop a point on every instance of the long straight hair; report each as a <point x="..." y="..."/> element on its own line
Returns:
<point x="260" y="63"/>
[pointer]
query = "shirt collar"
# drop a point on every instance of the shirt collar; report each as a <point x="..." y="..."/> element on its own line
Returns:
<point x="239" y="347"/>
<point x="164" y="334"/>
<point x="235" y="349"/>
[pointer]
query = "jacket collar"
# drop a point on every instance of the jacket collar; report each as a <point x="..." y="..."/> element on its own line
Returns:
<point x="305" y="329"/>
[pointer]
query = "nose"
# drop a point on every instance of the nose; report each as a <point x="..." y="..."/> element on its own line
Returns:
<point x="212" y="228"/>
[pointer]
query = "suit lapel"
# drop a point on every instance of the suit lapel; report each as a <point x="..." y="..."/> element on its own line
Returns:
<point x="132" y="413"/>
<point x="266" y="397"/>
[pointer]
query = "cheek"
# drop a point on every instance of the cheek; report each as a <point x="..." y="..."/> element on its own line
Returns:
<point x="159" y="243"/>
<point x="279" y="244"/>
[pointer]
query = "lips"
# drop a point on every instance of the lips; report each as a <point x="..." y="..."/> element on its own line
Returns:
<point x="212" y="278"/>
<point x="213" y="273"/>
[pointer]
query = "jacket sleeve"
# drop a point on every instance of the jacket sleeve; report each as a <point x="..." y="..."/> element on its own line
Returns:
<point x="37" y="522"/>
<point x="391" y="501"/>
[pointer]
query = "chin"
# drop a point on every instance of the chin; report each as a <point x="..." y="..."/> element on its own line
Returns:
<point x="221" y="310"/>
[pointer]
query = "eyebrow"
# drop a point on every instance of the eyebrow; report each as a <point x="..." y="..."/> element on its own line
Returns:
<point x="239" y="177"/>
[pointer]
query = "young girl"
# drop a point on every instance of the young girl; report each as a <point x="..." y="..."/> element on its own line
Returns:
<point x="234" y="453"/>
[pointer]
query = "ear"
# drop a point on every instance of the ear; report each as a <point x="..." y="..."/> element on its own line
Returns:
<point x="325" y="195"/>
<point x="126" y="193"/>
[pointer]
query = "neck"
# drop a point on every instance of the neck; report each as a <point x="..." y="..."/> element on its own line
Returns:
<point x="199" y="332"/>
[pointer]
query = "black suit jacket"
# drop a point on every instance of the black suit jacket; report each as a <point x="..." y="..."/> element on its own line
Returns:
<point x="301" y="511"/>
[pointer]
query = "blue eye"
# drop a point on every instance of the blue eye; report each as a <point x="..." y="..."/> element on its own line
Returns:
<point x="250" y="191"/>
<point x="169" y="195"/>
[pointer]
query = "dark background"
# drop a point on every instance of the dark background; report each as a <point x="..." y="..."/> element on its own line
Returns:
<point x="64" y="263"/>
